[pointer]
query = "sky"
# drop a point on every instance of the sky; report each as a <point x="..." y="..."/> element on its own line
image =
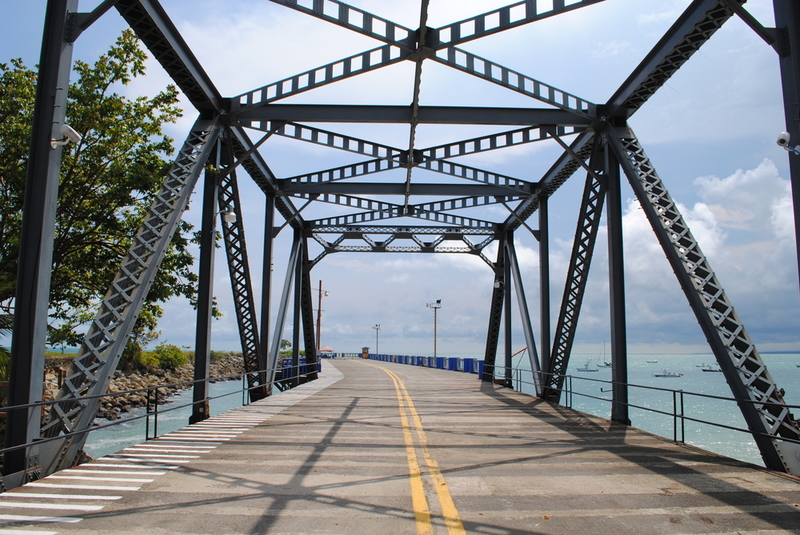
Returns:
<point x="710" y="132"/>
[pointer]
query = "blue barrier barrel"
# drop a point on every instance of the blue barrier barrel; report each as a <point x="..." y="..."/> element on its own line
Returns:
<point x="431" y="362"/>
<point x="469" y="365"/>
<point x="440" y="363"/>
<point x="481" y="364"/>
<point x="453" y="364"/>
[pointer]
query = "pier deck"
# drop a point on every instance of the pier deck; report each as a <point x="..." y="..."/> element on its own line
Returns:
<point x="379" y="448"/>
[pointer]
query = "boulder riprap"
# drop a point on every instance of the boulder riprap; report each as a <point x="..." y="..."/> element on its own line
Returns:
<point x="113" y="406"/>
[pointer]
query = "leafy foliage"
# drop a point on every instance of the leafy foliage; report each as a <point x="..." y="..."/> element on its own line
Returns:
<point x="107" y="181"/>
<point x="170" y="356"/>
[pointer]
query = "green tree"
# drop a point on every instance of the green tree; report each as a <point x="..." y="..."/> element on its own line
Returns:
<point x="107" y="181"/>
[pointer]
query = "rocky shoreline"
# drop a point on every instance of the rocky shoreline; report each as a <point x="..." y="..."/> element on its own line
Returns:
<point x="115" y="406"/>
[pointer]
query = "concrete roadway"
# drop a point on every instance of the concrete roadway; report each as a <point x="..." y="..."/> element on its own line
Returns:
<point x="379" y="448"/>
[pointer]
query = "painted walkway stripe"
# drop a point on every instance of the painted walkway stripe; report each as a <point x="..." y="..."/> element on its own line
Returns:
<point x="59" y="496"/>
<point x="96" y="478"/>
<point x="78" y="487"/>
<point x="26" y="532"/>
<point x="59" y="506"/>
<point x="25" y="518"/>
<point x="116" y="472"/>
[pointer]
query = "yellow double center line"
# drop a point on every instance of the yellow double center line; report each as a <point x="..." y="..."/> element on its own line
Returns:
<point x="418" y="499"/>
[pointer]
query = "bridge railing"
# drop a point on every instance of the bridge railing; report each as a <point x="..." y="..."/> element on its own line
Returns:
<point x="677" y="410"/>
<point x="157" y="402"/>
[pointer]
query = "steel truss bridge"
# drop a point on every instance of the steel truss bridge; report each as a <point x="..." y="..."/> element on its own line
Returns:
<point x="597" y="146"/>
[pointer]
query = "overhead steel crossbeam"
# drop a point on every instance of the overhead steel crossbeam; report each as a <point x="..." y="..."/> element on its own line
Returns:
<point x="761" y="402"/>
<point x="589" y="219"/>
<point x="493" y="72"/>
<point x="505" y="18"/>
<point x="391" y="234"/>
<point x="108" y="333"/>
<point x="152" y="25"/>
<point x="336" y="71"/>
<point x="241" y="286"/>
<point x="692" y="29"/>
<point x="563" y="169"/>
<point x="383" y="114"/>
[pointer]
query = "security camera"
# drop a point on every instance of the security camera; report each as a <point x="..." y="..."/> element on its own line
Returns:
<point x="68" y="133"/>
<point x="783" y="139"/>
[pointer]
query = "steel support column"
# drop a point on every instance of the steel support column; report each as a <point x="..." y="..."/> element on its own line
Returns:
<point x="239" y="270"/>
<point x="616" y="292"/>
<point x="205" y="296"/>
<point x="495" y="312"/>
<point x="266" y="278"/>
<point x="759" y="397"/>
<point x="577" y="275"/>
<point x="307" y="312"/>
<point x="544" y="280"/>
<point x="296" y="316"/>
<point x="280" y="321"/>
<point x="787" y="23"/>
<point x="36" y="242"/>
<point x="507" y="335"/>
<point x="525" y="318"/>
<point x="102" y="347"/>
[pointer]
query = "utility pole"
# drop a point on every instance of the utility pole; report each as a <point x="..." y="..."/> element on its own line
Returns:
<point x="435" y="306"/>
<point x="319" y="315"/>
<point x="377" y="328"/>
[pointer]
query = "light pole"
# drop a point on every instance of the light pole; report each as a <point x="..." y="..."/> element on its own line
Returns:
<point x="377" y="328"/>
<point x="435" y="306"/>
<point x="319" y="315"/>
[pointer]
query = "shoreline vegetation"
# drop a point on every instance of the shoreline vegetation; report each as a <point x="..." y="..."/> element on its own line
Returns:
<point x="140" y="376"/>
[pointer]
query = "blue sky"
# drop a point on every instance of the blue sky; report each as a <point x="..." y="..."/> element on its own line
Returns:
<point x="710" y="131"/>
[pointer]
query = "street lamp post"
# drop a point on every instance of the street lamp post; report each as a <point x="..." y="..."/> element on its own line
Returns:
<point x="435" y="306"/>
<point x="319" y="315"/>
<point x="377" y="328"/>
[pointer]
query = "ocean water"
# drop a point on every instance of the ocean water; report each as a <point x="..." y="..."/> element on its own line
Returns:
<point x="173" y="415"/>
<point x="588" y="386"/>
<point x="590" y="394"/>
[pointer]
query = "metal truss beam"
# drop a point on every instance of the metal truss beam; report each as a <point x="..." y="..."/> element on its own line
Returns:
<point x="495" y="312"/>
<point x="253" y="102"/>
<point x="333" y="140"/>
<point x="387" y="188"/>
<point x="344" y="113"/>
<point x="242" y="287"/>
<point x="498" y="20"/>
<point x="390" y="236"/>
<point x="307" y="315"/>
<point x="453" y="233"/>
<point x="760" y="399"/>
<point x="476" y="175"/>
<point x="577" y="273"/>
<point x="342" y="173"/>
<point x="295" y="256"/>
<point x="694" y="27"/>
<point x="152" y="25"/>
<point x="525" y="316"/>
<point x="564" y="168"/>
<point x="102" y="347"/>
<point x="469" y="63"/>
<point x="500" y="140"/>
<point x="252" y="162"/>
<point x="367" y="217"/>
<point x="355" y="19"/>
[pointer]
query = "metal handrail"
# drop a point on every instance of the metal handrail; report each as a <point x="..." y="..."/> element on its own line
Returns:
<point x="183" y="385"/>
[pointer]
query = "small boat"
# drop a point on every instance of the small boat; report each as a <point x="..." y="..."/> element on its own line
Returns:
<point x="710" y="368"/>
<point x="601" y="360"/>
<point x="652" y="361"/>
<point x="666" y="373"/>
<point x="703" y="365"/>
<point x="587" y="367"/>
